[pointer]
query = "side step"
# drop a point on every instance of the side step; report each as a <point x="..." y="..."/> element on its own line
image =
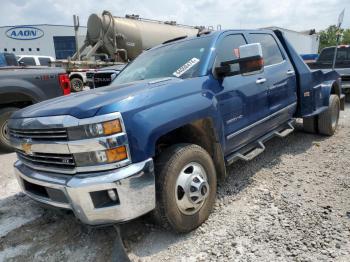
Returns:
<point x="251" y="154"/>
<point x="251" y="151"/>
<point x="285" y="132"/>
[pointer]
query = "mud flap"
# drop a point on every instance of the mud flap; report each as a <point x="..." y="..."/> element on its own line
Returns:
<point x="119" y="253"/>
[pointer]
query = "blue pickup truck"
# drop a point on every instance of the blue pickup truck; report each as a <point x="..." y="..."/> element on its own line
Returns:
<point x="160" y="137"/>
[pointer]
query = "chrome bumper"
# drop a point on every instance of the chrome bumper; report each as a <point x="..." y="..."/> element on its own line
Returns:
<point x="134" y="185"/>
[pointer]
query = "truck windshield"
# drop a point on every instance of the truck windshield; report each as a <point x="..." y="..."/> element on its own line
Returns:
<point x="182" y="59"/>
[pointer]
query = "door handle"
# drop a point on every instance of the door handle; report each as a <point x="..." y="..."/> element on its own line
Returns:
<point x="260" y="80"/>
<point x="290" y="72"/>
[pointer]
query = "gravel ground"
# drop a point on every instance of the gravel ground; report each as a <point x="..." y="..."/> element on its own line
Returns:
<point x="289" y="204"/>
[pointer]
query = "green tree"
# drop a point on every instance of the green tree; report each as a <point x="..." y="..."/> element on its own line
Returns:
<point x="328" y="37"/>
<point x="346" y="37"/>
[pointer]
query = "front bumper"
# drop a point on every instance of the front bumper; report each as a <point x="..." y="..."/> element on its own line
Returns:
<point x="133" y="184"/>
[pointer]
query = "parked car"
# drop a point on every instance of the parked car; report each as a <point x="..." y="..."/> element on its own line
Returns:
<point x="21" y="87"/>
<point x="103" y="76"/>
<point x="35" y="60"/>
<point x="342" y="64"/>
<point x="160" y="137"/>
<point x="8" y="59"/>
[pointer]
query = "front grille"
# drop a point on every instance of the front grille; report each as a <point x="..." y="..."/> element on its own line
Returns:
<point x="90" y="75"/>
<point x="102" y="79"/>
<point x="57" y="134"/>
<point x="65" y="162"/>
<point x="345" y="78"/>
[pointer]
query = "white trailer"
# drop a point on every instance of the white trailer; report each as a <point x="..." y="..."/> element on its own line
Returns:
<point x="305" y="42"/>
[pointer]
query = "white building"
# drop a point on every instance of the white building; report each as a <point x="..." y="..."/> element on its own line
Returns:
<point x="57" y="41"/>
<point x="304" y="42"/>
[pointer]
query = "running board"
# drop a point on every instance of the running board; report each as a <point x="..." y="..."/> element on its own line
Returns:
<point x="251" y="154"/>
<point x="285" y="132"/>
<point x="251" y="151"/>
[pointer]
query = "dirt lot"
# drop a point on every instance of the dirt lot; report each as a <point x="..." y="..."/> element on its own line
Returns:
<point x="289" y="204"/>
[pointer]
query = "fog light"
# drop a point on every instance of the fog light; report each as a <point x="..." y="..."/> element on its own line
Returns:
<point x="112" y="194"/>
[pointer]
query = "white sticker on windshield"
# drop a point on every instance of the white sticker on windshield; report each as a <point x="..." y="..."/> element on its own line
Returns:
<point x="183" y="69"/>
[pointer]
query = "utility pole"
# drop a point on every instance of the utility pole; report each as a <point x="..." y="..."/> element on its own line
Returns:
<point x="76" y="28"/>
<point x="338" y="33"/>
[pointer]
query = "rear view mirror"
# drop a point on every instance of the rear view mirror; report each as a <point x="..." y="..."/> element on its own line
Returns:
<point x="250" y="61"/>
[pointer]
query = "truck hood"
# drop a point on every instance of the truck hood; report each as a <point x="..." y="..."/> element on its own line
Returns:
<point x="109" y="99"/>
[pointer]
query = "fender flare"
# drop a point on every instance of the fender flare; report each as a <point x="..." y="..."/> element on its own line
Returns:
<point x="328" y="88"/>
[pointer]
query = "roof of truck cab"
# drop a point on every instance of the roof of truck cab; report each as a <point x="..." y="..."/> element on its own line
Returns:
<point x="215" y="34"/>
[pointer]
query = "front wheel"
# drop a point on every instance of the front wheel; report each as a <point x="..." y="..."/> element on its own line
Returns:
<point x="5" y="114"/>
<point x="186" y="187"/>
<point x="328" y="120"/>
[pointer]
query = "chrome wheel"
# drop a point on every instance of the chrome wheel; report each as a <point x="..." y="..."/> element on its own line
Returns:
<point x="77" y="84"/>
<point x="192" y="188"/>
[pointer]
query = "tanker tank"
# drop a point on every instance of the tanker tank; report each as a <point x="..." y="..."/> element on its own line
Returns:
<point x="124" y="38"/>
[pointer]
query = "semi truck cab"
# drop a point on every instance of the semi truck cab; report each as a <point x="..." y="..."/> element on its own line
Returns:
<point x="160" y="137"/>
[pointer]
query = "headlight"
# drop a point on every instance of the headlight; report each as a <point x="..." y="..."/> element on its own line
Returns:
<point x="95" y="130"/>
<point x="100" y="140"/>
<point x="101" y="157"/>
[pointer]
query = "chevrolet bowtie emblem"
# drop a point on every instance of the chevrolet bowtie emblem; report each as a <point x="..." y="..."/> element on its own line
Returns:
<point x="27" y="148"/>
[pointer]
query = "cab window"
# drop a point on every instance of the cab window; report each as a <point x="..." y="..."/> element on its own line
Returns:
<point x="44" y="61"/>
<point x="271" y="52"/>
<point x="28" y="61"/>
<point x="227" y="49"/>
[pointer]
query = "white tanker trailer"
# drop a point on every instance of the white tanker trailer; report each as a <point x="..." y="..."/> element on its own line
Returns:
<point x="124" y="38"/>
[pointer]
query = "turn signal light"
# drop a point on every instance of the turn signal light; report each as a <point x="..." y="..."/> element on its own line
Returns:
<point x="112" y="127"/>
<point x="116" y="154"/>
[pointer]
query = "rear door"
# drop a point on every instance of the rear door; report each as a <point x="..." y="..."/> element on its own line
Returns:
<point x="279" y="72"/>
<point x="242" y="100"/>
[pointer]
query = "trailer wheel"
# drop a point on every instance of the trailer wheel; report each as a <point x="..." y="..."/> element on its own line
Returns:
<point x="77" y="84"/>
<point x="5" y="114"/>
<point x="186" y="187"/>
<point x="310" y="124"/>
<point x="328" y="120"/>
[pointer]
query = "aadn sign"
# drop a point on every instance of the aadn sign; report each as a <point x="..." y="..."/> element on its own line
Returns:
<point x="24" y="33"/>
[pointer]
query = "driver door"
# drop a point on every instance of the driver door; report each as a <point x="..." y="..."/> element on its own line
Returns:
<point x="243" y="99"/>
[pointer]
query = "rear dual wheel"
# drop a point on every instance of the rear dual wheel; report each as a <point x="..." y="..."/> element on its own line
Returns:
<point x="328" y="120"/>
<point x="325" y="123"/>
<point x="186" y="187"/>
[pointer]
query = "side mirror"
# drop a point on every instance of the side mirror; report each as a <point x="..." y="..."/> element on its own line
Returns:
<point x="251" y="58"/>
<point x="250" y="61"/>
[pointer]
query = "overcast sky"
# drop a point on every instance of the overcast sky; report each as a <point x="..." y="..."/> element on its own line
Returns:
<point x="292" y="14"/>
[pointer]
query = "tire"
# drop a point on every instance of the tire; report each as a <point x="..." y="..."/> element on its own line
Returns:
<point x="174" y="164"/>
<point x="328" y="120"/>
<point x="5" y="114"/>
<point x="310" y="124"/>
<point x="77" y="84"/>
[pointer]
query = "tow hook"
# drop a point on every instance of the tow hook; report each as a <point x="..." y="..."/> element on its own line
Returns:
<point x="119" y="253"/>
